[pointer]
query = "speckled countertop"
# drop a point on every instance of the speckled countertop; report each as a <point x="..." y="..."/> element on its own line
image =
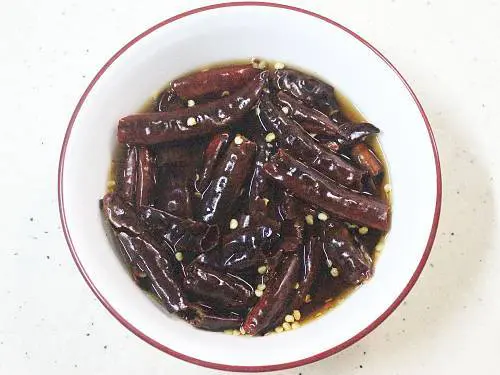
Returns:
<point x="449" y="51"/>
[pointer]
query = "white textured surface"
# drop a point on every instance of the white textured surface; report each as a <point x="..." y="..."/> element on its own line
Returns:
<point x="49" y="320"/>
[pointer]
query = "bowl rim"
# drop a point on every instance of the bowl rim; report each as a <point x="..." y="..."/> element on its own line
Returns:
<point x="218" y="366"/>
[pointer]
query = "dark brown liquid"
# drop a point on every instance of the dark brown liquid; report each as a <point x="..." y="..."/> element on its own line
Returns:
<point x="327" y="292"/>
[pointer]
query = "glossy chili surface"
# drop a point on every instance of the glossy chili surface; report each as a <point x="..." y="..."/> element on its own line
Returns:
<point x="313" y="187"/>
<point x="213" y="81"/>
<point x="190" y="122"/>
<point x="246" y="200"/>
<point x="294" y="138"/>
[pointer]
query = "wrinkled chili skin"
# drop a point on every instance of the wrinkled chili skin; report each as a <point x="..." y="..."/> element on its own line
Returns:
<point x="185" y="235"/>
<point x="124" y="217"/>
<point x="274" y="260"/>
<point x="138" y="275"/>
<point x="174" y="191"/>
<point x="354" y="132"/>
<point x="228" y="179"/>
<point x="122" y="214"/>
<point x="215" y="286"/>
<point x="246" y="247"/>
<point x="213" y="81"/>
<point x="211" y="117"/>
<point x="275" y="298"/>
<point x="126" y="174"/>
<point x="367" y="242"/>
<point x="339" y="169"/>
<point x="313" y="187"/>
<point x="306" y="88"/>
<point x="159" y="270"/>
<point x="258" y="183"/>
<point x="260" y="193"/>
<point x="168" y="101"/>
<point x="290" y="208"/>
<point x="212" y="155"/>
<point x="293" y="137"/>
<point x="243" y="221"/>
<point x="310" y="266"/>
<point x="146" y="176"/>
<point x="209" y="259"/>
<point x="210" y="319"/>
<point x="332" y="145"/>
<point x="179" y="154"/>
<point x="128" y="255"/>
<point x="365" y="157"/>
<point x="293" y="235"/>
<point x="311" y="119"/>
<point x="354" y="264"/>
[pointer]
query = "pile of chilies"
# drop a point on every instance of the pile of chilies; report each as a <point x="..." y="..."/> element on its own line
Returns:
<point x="238" y="180"/>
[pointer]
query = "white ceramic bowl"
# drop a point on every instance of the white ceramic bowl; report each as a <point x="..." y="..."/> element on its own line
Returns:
<point x="235" y="31"/>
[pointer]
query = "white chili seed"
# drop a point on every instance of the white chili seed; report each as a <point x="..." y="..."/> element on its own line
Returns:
<point x="322" y="216"/>
<point x="261" y="287"/>
<point x="318" y="315"/>
<point x="179" y="256"/>
<point x="191" y="103"/>
<point x="262" y="270"/>
<point x="225" y="93"/>
<point x="270" y="137"/>
<point x="296" y="314"/>
<point x="308" y="298"/>
<point x="286" y="326"/>
<point x="191" y="121"/>
<point x="259" y="293"/>
<point x="278" y="329"/>
<point x="228" y="331"/>
<point x="363" y="230"/>
<point x="197" y="194"/>
<point x="334" y="272"/>
<point x="379" y="247"/>
<point x="285" y="110"/>
<point x="262" y="65"/>
<point x="233" y="224"/>
<point x="310" y="219"/>
<point x="266" y="201"/>
<point x="279" y="65"/>
<point x="236" y="332"/>
<point x="289" y="318"/>
<point x="387" y="188"/>
<point x="296" y="286"/>
<point x="295" y="325"/>
<point x="238" y="139"/>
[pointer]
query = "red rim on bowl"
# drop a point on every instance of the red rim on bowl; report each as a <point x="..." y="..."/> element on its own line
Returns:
<point x="219" y="366"/>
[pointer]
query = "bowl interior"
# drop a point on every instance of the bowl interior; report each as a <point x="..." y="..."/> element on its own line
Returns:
<point x="241" y="32"/>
